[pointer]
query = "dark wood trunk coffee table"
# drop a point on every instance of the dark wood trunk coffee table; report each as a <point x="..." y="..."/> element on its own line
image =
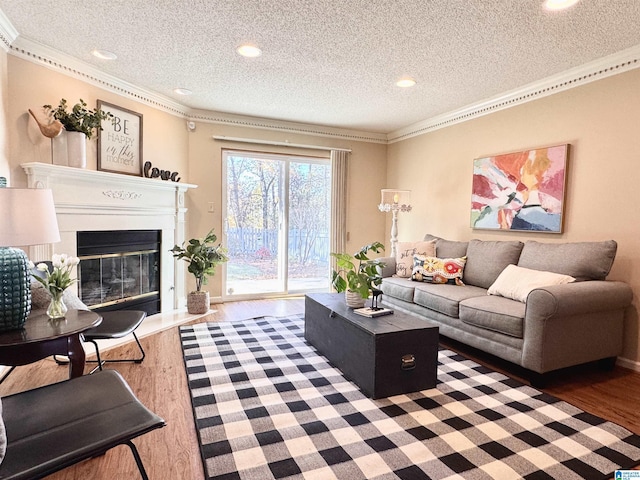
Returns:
<point x="384" y="356"/>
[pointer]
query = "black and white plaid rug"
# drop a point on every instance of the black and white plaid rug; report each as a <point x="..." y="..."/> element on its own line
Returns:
<point x="267" y="405"/>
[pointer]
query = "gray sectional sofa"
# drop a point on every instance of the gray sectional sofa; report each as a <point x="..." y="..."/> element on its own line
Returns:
<point x="557" y="326"/>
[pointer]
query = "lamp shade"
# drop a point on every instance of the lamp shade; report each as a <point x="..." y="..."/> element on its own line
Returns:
<point x="399" y="197"/>
<point x="28" y="217"/>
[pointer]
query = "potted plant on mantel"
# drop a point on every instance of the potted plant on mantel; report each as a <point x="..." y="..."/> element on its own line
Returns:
<point x="80" y="124"/>
<point x="357" y="274"/>
<point x="203" y="256"/>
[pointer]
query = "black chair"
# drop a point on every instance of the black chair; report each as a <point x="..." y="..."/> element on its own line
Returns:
<point x="116" y="324"/>
<point x="56" y="426"/>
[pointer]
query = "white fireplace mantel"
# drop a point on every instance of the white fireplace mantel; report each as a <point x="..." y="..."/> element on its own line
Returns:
<point x="89" y="200"/>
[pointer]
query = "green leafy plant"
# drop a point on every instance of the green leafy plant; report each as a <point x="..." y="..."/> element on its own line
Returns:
<point x="202" y="255"/>
<point x="80" y="118"/>
<point x="358" y="273"/>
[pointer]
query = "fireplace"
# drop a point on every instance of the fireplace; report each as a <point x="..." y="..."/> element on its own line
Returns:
<point x="120" y="270"/>
<point x="96" y="203"/>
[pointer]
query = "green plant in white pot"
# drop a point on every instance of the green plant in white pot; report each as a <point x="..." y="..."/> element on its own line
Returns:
<point x="202" y="255"/>
<point x="357" y="275"/>
<point x="80" y="123"/>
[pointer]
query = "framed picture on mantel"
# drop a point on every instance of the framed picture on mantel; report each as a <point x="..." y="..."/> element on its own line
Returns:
<point x="120" y="141"/>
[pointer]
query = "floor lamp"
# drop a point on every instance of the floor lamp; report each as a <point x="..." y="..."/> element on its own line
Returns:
<point x="395" y="201"/>
<point x="28" y="218"/>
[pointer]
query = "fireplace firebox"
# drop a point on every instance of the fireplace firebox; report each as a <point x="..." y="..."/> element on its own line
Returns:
<point x="120" y="270"/>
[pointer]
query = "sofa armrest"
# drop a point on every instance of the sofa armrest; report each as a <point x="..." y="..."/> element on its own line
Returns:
<point x="389" y="268"/>
<point x="575" y="323"/>
<point x="579" y="298"/>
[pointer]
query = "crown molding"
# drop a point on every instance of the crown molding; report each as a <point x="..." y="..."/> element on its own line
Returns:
<point x="287" y="127"/>
<point x="38" y="53"/>
<point x="614" y="64"/>
<point x="50" y="58"/>
<point x="8" y="33"/>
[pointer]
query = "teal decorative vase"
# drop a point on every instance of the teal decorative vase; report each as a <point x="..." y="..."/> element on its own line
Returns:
<point x="15" y="291"/>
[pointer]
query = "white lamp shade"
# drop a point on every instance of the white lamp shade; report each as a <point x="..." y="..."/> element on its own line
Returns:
<point x="28" y="217"/>
<point x="391" y="196"/>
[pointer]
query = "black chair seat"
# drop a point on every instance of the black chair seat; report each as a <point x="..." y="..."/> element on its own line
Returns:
<point x="115" y="324"/>
<point x="55" y="426"/>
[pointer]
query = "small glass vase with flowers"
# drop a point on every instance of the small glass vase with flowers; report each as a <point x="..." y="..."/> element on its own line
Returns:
<point x="56" y="281"/>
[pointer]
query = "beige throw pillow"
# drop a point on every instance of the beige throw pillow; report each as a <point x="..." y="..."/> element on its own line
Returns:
<point x="516" y="282"/>
<point x="405" y="252"/>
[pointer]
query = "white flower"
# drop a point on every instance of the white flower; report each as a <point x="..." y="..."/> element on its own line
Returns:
<point x="42" y="267"/>
<point x="73" y="261"/>
<point x="31" y="265"/>
<point x="56" y="259"/>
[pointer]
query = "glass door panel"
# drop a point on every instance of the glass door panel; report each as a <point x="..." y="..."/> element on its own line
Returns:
<point x="277" y="215"/>
<point x="309" y="225"/>
<point x="254" y="225"/>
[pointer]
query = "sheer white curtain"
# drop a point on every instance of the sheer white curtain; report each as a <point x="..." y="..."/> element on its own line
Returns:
<point x="338" y="201"/>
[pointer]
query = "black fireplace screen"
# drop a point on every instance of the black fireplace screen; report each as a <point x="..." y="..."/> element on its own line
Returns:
<point x="120" y="270"/>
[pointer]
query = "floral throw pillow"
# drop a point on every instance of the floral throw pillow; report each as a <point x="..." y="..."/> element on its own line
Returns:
<point x="405" y="252"/>
<point x="438" y="270"/>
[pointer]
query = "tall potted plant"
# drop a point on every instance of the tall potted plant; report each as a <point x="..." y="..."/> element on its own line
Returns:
<point x="357" y="274"/>
<point x="80" y="124"/>
<point x="202" y="255"/>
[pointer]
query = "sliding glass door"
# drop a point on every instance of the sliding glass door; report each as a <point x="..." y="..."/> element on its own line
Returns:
<point x="277" y="223"/>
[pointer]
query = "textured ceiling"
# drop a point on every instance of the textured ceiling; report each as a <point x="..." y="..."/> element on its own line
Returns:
<point x="331" y="62"/>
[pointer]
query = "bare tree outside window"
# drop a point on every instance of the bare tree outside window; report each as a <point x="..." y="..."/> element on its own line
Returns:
<point x="256" y="213"/>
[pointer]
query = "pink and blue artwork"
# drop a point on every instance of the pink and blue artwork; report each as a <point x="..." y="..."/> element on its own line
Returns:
<point x="521" y="191"/>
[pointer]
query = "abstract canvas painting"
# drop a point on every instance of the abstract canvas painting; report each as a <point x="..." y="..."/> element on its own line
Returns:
<point x="520" y="191"/>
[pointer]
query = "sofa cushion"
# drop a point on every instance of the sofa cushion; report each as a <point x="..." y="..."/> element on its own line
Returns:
<point x="581" y="260"/>
<point x="494" y="313"/>
<point x="438" y="270"/>
<point x="516" y="282"/>
<point x="445" y="299"/>
<point x="447" y="248"/>
<point x="400" y="288"/>
<point x="486" y="260"/>
<point x="406" y="251"/>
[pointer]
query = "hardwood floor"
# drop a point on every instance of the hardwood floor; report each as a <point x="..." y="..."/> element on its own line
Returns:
<point x="160" y="383"/>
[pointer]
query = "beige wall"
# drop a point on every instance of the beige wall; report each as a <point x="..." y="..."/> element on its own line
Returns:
<point x="367" y="171"/>
<point x="31" y="86"/>
<point x="4" y="132"/>
<point x="600" y="120"/>
<point x="168" y="144"/>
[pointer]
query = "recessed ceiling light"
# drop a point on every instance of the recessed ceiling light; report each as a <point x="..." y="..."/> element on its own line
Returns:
<point x="182" y="91"/>
<point x="103" y="54"/>
<point x="250" y="51"/>
<point x="559" y="4"/>
<point x="406" y="82"/>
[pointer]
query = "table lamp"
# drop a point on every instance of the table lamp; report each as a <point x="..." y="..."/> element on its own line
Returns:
<point x="28" y="218"/>
<point x="395" y="201"/>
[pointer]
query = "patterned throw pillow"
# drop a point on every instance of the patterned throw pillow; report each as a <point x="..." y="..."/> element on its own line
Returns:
<point x="438" y="270"/>
<point x="405" y="252"/>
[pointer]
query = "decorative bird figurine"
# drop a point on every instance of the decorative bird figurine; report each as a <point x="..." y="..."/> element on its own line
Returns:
<point x="49" y="130"/>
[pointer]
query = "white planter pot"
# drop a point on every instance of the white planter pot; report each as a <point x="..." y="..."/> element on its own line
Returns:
<point x="59" y="149"/>
<point x="198" y="302"/>
<point x="353" y="299"/>
<point x="77" y="149"/>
